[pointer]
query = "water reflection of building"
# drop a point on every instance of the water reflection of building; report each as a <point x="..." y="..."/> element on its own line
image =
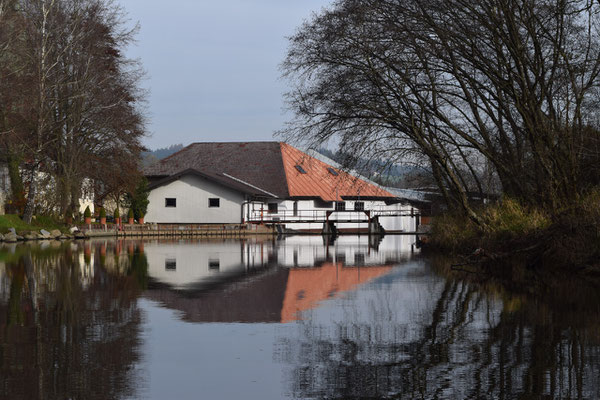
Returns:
<point x="307" y="251"/>
<point x="188" y="265"/>
<point x="307" y="287"/>
<point x="421" y="335"/>
<point x="264" y="281"/>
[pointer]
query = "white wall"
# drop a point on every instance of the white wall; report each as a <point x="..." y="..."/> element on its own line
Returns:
<point x="87" y="196"/>
<point x="192" y="193"/>
<point x="308" y="209"/>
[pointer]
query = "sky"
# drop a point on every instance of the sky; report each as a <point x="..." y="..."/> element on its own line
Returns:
<point x="213" y="66"/>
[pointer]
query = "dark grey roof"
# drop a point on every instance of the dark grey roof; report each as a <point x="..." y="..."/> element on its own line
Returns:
<point x="241" y="165"/>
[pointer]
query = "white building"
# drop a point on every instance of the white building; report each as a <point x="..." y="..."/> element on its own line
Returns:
<point x="46" y="198"/>
<point x="268" y="182"/>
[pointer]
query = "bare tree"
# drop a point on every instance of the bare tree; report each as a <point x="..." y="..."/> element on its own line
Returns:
<point x="465" y="85"/>
<point x="40" y="46"/>
<point x="99" y="114"/>
<point x="83" y="103"/>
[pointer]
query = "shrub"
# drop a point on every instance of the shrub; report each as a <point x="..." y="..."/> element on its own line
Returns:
<point x="116" y="213"/>
<point x="527" y="236"/>
<point x="574" y="237"/>
<point x="511" y="219"/>
<point x="138" y="199"/>
<point x="504" y="221"/>
<point x="130" y="213"/>
<point x="453" y="232"/>
<point x="102" y="213"/>
<point x="87" y="213"/>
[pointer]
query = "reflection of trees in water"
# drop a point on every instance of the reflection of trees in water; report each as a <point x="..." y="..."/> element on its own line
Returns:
<point x="472" y="342"/>
<point x="68" y="328"/>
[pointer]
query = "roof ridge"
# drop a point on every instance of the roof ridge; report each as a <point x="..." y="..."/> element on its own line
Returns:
<point x="237" y="142"/>
<point x="249" y="184"/>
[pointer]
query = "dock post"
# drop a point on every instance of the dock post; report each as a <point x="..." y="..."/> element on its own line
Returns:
<point x="375" y="227"/>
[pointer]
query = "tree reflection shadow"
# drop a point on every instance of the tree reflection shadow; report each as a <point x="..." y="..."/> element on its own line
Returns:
<point x="474" y="340"/>
<point x="70" y="325"/>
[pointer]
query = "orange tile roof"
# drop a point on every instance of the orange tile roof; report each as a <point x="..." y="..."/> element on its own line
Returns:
<point x="306" y="288"/>
<point x="319" y="182"/>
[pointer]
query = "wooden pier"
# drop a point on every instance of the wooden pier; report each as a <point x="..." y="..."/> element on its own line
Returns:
<point x="178" y="230"/>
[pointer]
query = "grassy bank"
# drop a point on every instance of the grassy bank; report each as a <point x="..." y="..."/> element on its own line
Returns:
<point x="568" y="239"/>
<point x="40" y="222"/>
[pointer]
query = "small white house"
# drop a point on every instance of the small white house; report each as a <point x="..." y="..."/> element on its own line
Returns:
<point x="268" y="182"/>
<point x="191" y="197"/>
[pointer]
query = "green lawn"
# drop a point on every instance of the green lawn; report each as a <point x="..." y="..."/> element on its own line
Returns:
<point x="40" y="222"/>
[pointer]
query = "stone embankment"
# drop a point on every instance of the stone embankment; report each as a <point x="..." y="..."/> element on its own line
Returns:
<point x="12" y="236"/>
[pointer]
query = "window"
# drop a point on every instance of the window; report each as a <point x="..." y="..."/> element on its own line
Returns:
<point x="323" y="204"/>
<point x="213" y="264"/>
<point x="340" y="206"/>
<point x="359" y="259"/>
<point x="359" y="206"/>
<point x="300" y="169"/>
<point x="272" y="208"/>
<point x="295" y="209"/>
<point x="214" y="203"/>
<point x="170" y="202"/>
<point x="170" y="264"/>
<point x="332" y="171"/>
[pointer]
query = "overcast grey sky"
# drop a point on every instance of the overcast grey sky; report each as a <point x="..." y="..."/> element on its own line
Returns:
<point x="213" y="66"/>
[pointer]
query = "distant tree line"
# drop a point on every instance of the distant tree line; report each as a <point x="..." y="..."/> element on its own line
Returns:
<point x="70" y="101"/>
<point x="488" y="93"/>
<point x="152" y="156"/>
<point x="382" y="171"/>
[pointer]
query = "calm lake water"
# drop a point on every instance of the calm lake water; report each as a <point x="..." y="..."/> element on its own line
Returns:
<point x="290" y="318"/>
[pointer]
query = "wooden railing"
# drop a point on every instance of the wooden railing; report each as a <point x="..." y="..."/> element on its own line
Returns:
<point x="323" y="215"/>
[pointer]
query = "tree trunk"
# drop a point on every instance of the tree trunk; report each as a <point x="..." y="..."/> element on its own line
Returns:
<point x="16" y="182"/>
<point x="30" y="205"/>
